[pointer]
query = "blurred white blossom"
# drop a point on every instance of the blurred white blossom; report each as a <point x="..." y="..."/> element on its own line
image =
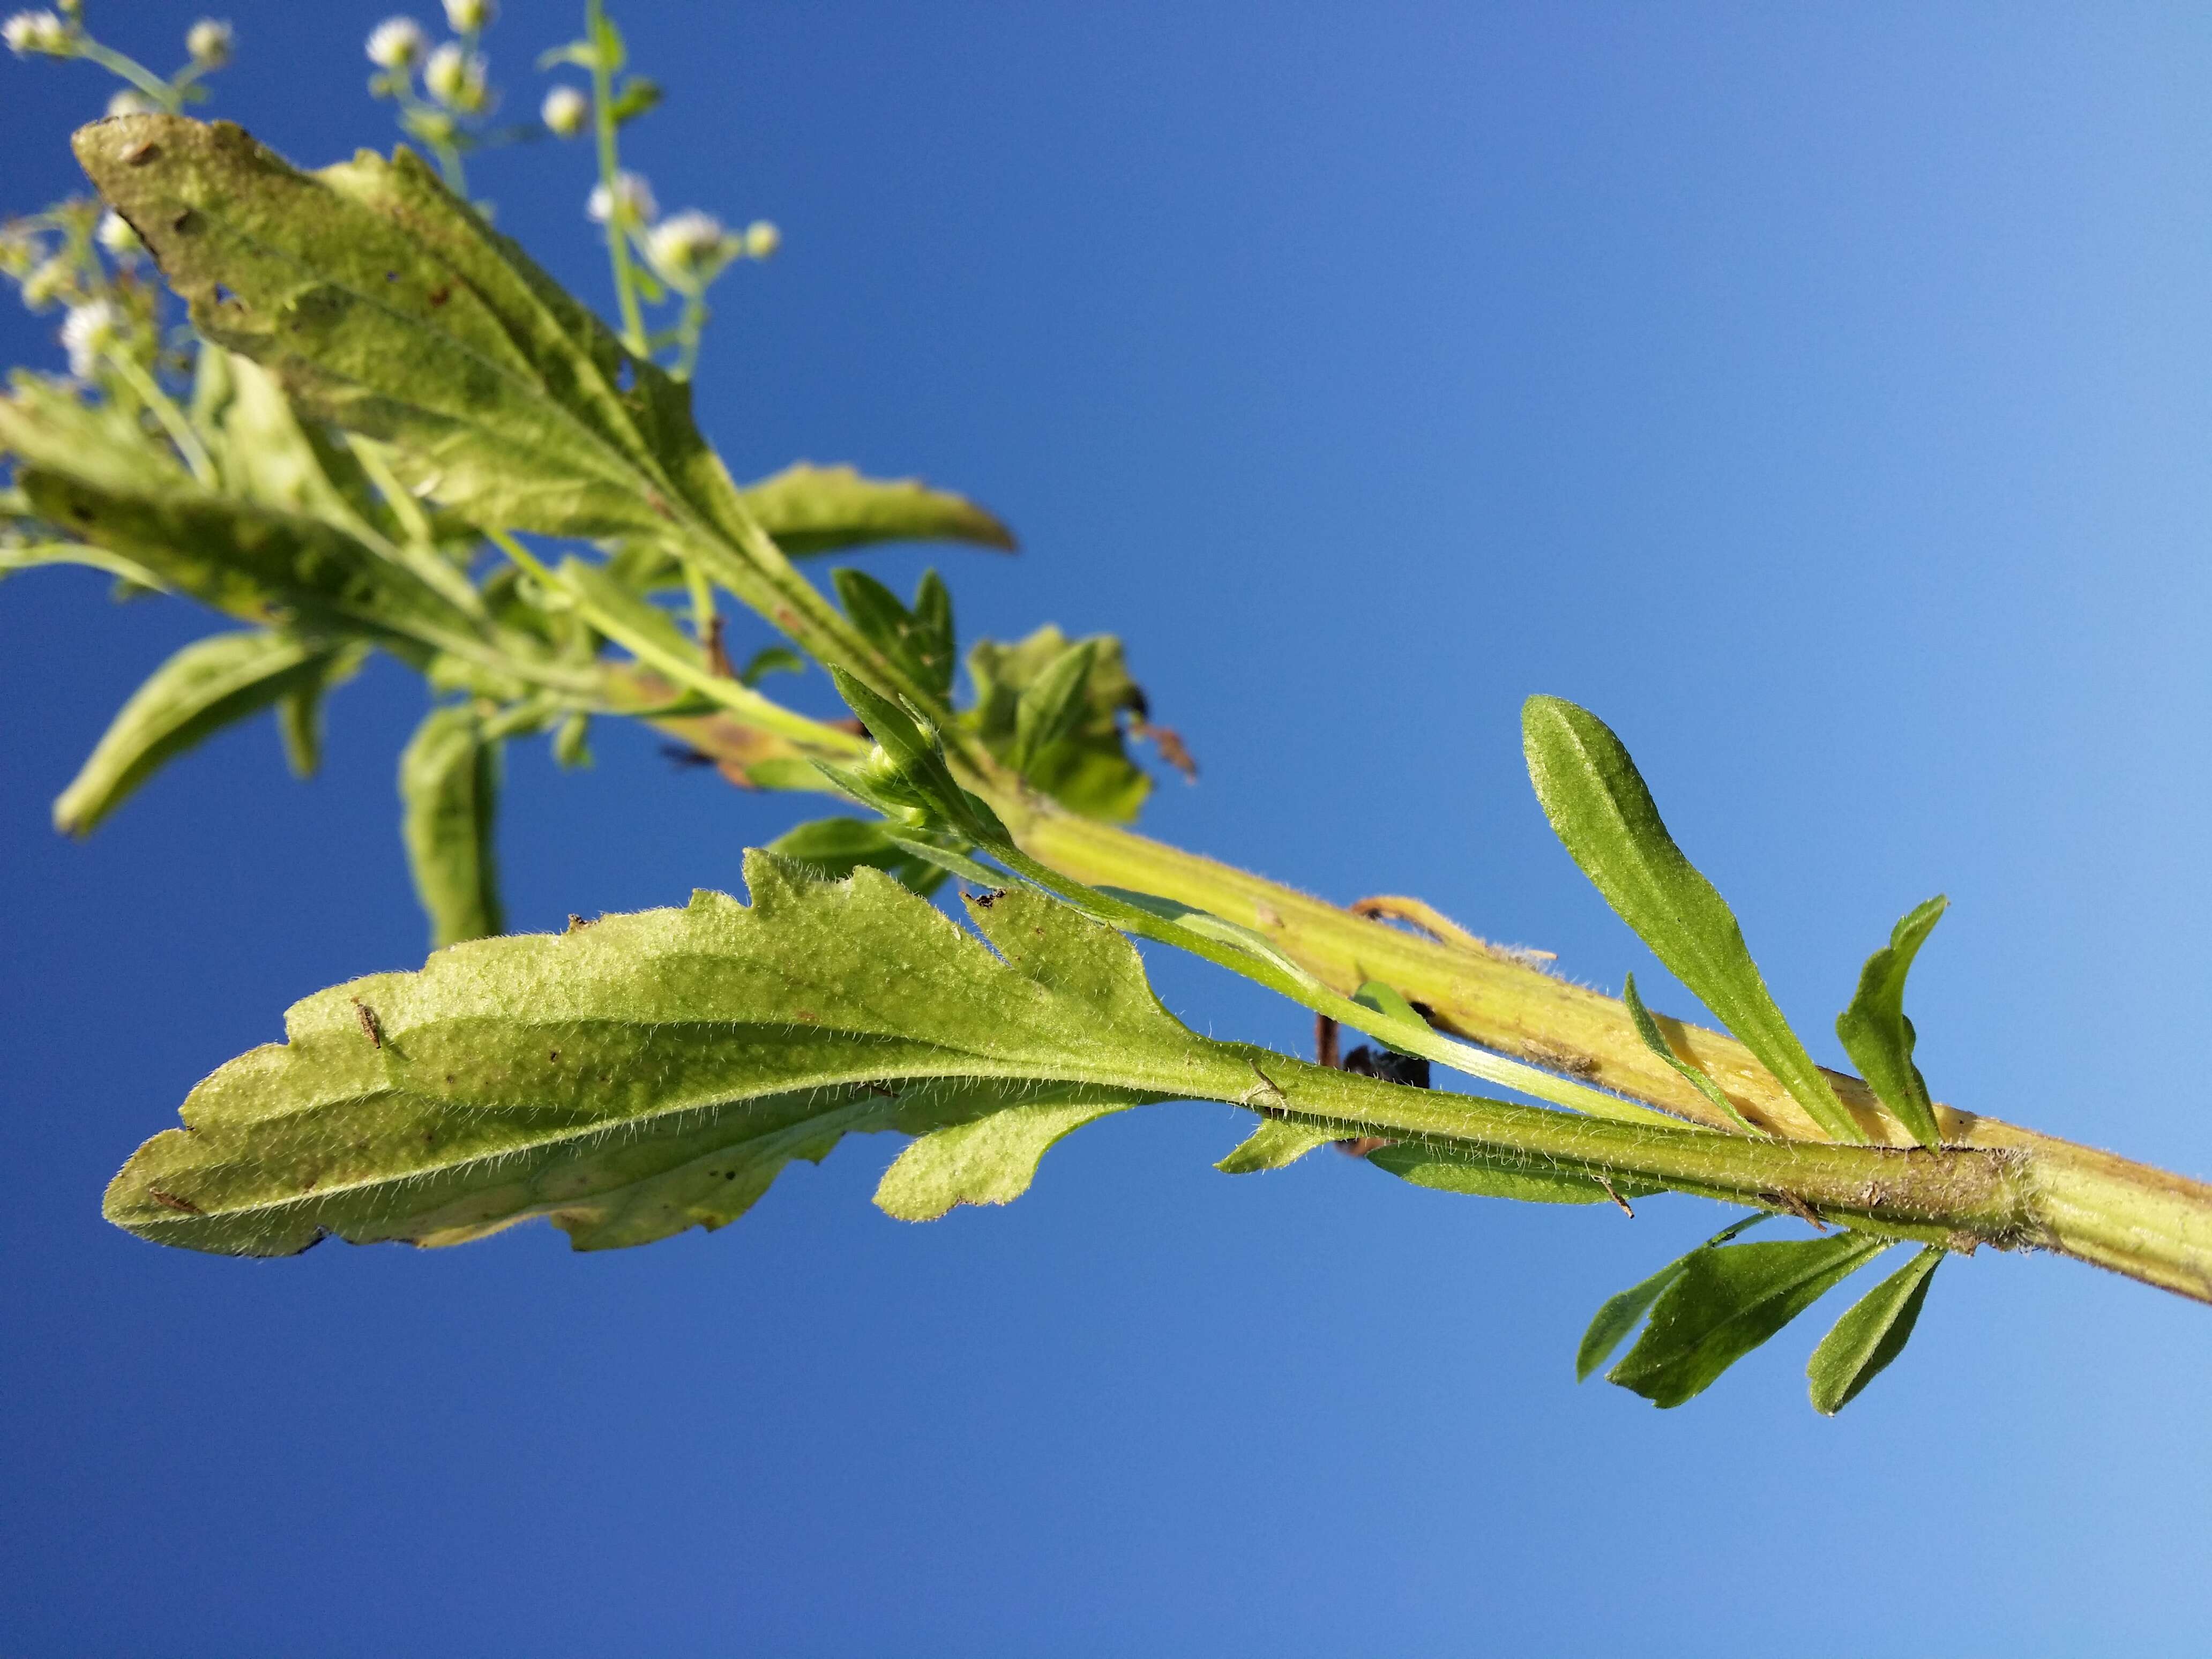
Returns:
<point x="209" y="42"/>
<point x="116" y="236"/>
<point x="467" y="16"/>
<point x="131" y="101"/>
<point x="686" y="247"/>
<point x="565" y="112"/>
<point x="86" y="332"/>
<point x="456" y="77"/>
<point x="28" y="32"/>
<point x="761" y="239"/>
<point x="397" y="43"/>
<point x="635" y="198"/>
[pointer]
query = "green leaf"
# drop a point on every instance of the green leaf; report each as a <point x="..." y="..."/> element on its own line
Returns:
<point x="1526" y="1181"/>
<point x="1599" y="807"/>
<point x="1275" y="1145"/>
<point x="448" y="792"/>
<point x="1385" y="1000"/>
<point x="572" y="741"/>
<point x="920" y="640"/>
<point x="1618" y="1314"/>
<point x="1089" y="769"/>
<point x="382" y="303"/>
<point x="649" y="1072"/>
<point x="835" y="847"/>
<point x="1874" y="1333"/>
<point x="300" y="710"/>
<point x="770" y="659"/>
<point x="129" y="574"/>
<point x="1648" y="1028"/>
<point x="1725" y="1303"/>
<point x="210" y="684"/>
<point x="1051" y="706"/>
<point x="992" y="1160"/>
<point x="812" y="509"/>
<point x="636" y="96"/>
<point x="1878" y="1037"/>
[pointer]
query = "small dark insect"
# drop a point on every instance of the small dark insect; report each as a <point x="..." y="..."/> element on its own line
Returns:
<point x="1391" y="1066"/>
<point x="682" y="755"/>
<point x="439" y="295"/>
<point x="369" y="1028"/>
<point x="1616" y="1197"/>
<point x="142" y="155"/>
<point x="984" y="901"/>
<point x="174" y="1201"/>
<point x="718" y="655"/>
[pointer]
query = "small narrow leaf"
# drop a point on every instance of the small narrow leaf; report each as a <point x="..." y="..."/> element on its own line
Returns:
<point x="1618" y="1316"/>
<point x="1051" y="706"/>
<point x="1656" y="1041"/>
<point x="1599" y="807"/>
<point x="819" y="509"/>
<point x="1874" y="1333"/>
<point x="1088" y="770"/>
<point x="1275" y="1145"/>
<point x="448" y="788"/>
<point x="300" y="710"/>
<point x="920" y="640"/>
<point x="1725" y="1303"/>
<point x="992" y="1160"/>
<point x="210" y="684"/>
<point x="1878" y="1037"/>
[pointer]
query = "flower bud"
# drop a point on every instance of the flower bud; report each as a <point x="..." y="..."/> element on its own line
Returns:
<point x="116" y="236"/>
<point x="468" y="16"/>
<point x="131" y="101"/>
<point x="633" y="196"/>
<point x="48" y="283"/>
<point x="689" y="247"/>
<point x="86" y="332"/>
<point x="761" y="240"/>
<point x="209" y="42"/>
<point x="397" y="43"/>
<point x="19" y="250"/>
<point x="565" y="112"/>
<point x="28" y="32"/>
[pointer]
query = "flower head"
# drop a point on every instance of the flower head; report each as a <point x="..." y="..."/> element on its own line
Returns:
<point x="86" y="332"/>
<point x="115" y="234"/>
<point x="689" y="247"/>
<point x="131" y="101"/>
<point x="565" y="112"/>
<point x="455" y="77"/>
<point x="632" y="196"/>
<point x="469" y="16"/>
<point x="28" y="32"/>
<point x="397" y="43"/>
<point x="761" y="240"/>
<point x="209" y="42"/>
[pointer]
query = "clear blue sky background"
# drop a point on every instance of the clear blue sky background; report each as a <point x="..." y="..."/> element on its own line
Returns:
<point x="1821" y="394"/>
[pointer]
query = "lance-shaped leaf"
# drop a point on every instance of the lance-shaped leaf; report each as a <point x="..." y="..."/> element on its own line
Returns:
<point x="1275" y="1145"/>
<point x="448" y="794"/>
<point x="300" y="710"/>
<point x="1601" y="808"/>
<point x="819" y="509"/>
<point x="210" y="684"/>
<point x="1725" y="1303"/>
<point x="1620" y="1313"/>
<point x="1874" y="1333"/>
<point x="920" y="640"/>
<point x="650" y="1072"/>
<point x="1051" y="705"/>
<point x="1876" y="1032"/>
<point x="834" y="848"/>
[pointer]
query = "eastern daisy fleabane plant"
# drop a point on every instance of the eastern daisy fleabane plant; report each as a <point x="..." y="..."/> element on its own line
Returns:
<point x="470" y="16"/>
<point x="565" y="112"/>
<point x="87" y="332"/>
<point x="38" y="32"/>
<point x="397" y="43"/>
<point x="630" y="200"/>
<point x="210" y="43"/>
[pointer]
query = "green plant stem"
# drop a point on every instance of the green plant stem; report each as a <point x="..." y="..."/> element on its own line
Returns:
<point x="603" y="123"/>
<point x="129" y="69"/>
<point x="688" y="332"/>
<point x="166" y="413"/>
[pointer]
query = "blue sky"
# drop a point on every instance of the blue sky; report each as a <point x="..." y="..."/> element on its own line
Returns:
<point x="1821" y="394"/>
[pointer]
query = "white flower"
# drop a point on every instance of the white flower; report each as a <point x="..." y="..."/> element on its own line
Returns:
<point x="687" y="246"/>
<point x="86" y="332"/>
<point x="456" y="77"/>
<point x="130" y="101"/>
<point x="28" y="32"/>
<point x="761" y="239"/>
<point x="208" y="43"/>
<point x="116" y="236"/>
<point x="397" y="43"/>
<point x="565" y="112"/>
<point x="468" y="16"/>
<point x="48" y="283"/>
<point x="636" y="199"/>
